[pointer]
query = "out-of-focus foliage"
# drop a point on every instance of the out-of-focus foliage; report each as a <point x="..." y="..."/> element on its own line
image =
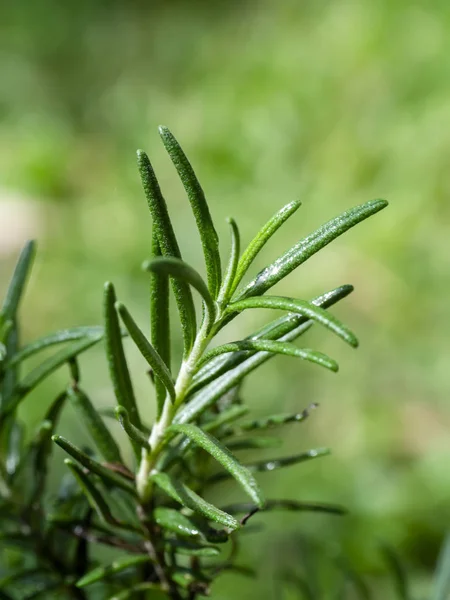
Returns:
<point x="327" y="102"/>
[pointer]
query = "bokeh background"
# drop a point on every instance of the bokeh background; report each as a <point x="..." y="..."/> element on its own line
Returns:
<point x="334" y="103"/>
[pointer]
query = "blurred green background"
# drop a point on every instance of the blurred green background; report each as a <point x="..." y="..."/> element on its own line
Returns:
<point x="334" y="103"/>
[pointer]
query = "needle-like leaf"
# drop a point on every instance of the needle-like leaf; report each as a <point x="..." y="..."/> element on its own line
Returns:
<point x="261" y="239"/>
<point x="118" y="368"/>
<point x="286" y="505"/>
<point x="301" y="307"/>
<point x="307" y="247"/>
<point x="147" y="350"/>
<point x="208" y="234"/>
<point x="168" y="245"/>
<point x="100" y="434"/>
<point x="117" y="566"/>
<point x="137" y="437"/>
<point x="224" y="457"/>
<point x="17" y="285"/>
<point x="226" y="290"/>
<point x="179" y="492"/>
<point x="176" y="522"/>
<point x="178" y="269"/>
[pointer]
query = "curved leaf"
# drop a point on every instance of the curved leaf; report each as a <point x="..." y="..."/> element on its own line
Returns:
<point x="230" y="272"/>
<point x="117" y="566"/>
<point x="179" y="492"/>
<point x="147" y="350"/>
<point x="275" y="348"/>
<point x="16" y="286"/>
<point x="118" y="368"/>
<point x="59" y="337"/>
<point x="307" y="247"/>
<point x="301" y="307"/>
<point x="137" y="437"/>
<point x="208" y="234"/>
<point x="100" y="434"/>
<point x="224" y="457"/>
<point x="178" y="269"/>
<point x="168" y="245"/>
<point x="261" y="239"/>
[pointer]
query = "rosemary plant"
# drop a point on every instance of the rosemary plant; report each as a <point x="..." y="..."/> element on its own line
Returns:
<point x="171" y="541"/>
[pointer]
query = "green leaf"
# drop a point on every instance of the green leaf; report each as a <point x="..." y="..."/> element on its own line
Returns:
<point x="286" y="505"/>
<point x="183" y="547"/>
<point x="274" y="420"/>
<point x="147" y="350"/>
<point x="179" y="492"/>
<point x="162" y="228"/>
<point x="232" y="265"/>
<point x="17" y="284"/>
<point x="175" y="521"/>
<point x="226" y="416"/>
<point x="262" y="238"/>
<point x="98" y="431"/>
<point x="307" y="247"/>
<point x="117" y="566"/>
<point x="59" y="337"/>
<point x="399" y="576"/>
<point x="118" y="368"/>
<point x="208" y="234"/>
<point x="301" y="307"/>
<point x="178" y="269"/>
<point x="45" y="369"/>
<point x="253" y="443"/>
<point x="274" y="330"/>
<point x="275" y="348"/>
<point x="107" y="475"/>
<point x="137" y="437"/>
<point x="441" y="584"/>
<point x="224" y="457"/>
<point x="276" y="463"/>
<point x="135" y="590"/>
<point x="159" y="322"/>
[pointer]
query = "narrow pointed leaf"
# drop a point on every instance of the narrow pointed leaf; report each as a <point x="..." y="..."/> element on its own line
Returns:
<point x="189" y="549"/>
<point x="301" y="307"/>
<point x="208" y="234"/>
<point x="107" y="475"/>
<point x="224" y="457"/>
<point x="262" y="238"/>
<point x="47" y="368"/>
<point x="286" y="505"/>
<point x="59" y="337"/>
<point x="117" y="566"/>
<point x="181" y="271"/>
<point x="441" y="586"/>
<point x="147" y="350"/>
<point x="162" y="228"/>
<point x="159" y="322"/>
<point x="276" y="348"/>
<point x="275" y="420"/>
<point x="135" y="590"/>
<point x="179" y="492"/>
<point x="277" y="463"/>
<point x="118" y="368"/>
<point x="15" y="447"/>
<point x="17" y="285"/>
<point x="230" y="272"/>
<point x="274" y="330"/>
<point x="98" y="431"/>
<point x="231" y="414"/>
<point x="176" y="522"/>
<point x="307" y="247"/>
<point x="137" y="437"/>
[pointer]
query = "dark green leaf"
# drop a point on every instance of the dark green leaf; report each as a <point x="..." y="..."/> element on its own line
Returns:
<point x="59" y="337"/>
<point x="274" y="330"/>
<point x="137" y="437"/>
<point x="276" y="348"/>
<point x="301" y="307"/>
<point x="162" y="228"/>
<point x="159" y="322"/>
<point x="230" y="272"/>
<point x="286" y="505"/>
<point x="441" y="585"/>
<point x="100" y="434"/>
<point x="208" y="234"/>
<point x="47" y="368"/>
<point x="109" y="476"/>
<point x="179" y="492"/>
<point x="224" y="457"/>
<point x="277" y="463"/>
<point x="147" y="350"/>
<point x="15" y="447"/>
<point x="262" y="238"/>
<point x="17" y="285"/>
<point x="117" y="566"/>
<point x="183" y="547"/>
<point x="118" y="368"/>
<point x="399" y="576"/>
<point x="178" y="269"/>
<point x="307" y="247"/>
